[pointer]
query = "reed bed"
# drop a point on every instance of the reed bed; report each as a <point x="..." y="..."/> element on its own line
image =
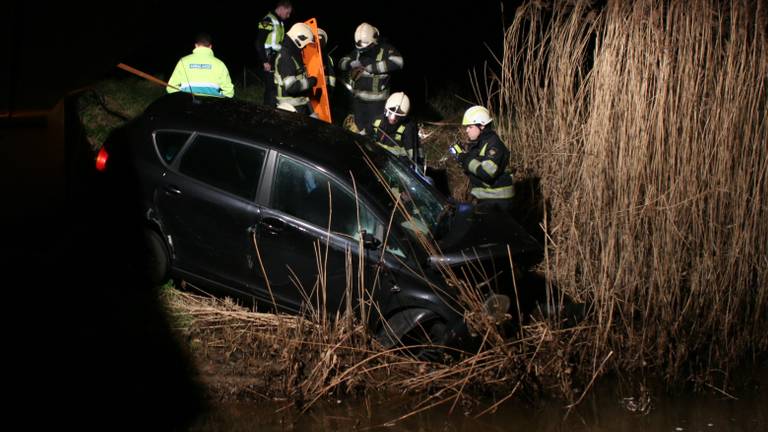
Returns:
<point x="647" y="124"/>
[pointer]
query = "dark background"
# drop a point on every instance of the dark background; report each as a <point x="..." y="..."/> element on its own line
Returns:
<point x="55" y="48"/>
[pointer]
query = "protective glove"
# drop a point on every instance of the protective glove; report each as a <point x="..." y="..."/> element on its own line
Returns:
<point x="318" y="93"/>
<point x="354" y="64"/>
<point x="312" y="81"/>
<point x="355" y="73"/>
<point x="456" y="150"/>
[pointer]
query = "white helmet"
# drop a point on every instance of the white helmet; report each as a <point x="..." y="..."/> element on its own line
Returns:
<point x="285" y="106"/>
<point x="322" y="35"/>
<point x="476" y="115"/>
<point x="398" y="104"/>
<point x="301" y="35"/>
<point x="365" y="35"/>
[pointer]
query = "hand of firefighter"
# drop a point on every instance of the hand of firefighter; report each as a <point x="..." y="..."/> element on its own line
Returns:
<point x="317" y="94"/>
<point x="457" y="151"/>
<point x="355" y="73"/>
<point x="312" y="81"/>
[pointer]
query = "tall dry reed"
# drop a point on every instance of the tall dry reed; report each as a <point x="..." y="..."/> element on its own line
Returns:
<point x="647" y="123"/>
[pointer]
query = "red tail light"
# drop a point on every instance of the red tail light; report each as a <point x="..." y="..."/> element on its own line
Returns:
<point x="101" y="159"/>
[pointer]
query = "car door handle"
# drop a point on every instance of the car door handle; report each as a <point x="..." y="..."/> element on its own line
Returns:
<point x="172" y="190"/>
<point x="273" y="225"/>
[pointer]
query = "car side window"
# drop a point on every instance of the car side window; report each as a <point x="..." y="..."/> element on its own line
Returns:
<point x="307" y="193"/>
<point x="169" y="143"/>
<point x="228" y="165"/>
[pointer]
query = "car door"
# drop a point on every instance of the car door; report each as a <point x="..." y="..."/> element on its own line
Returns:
<point x="310" y="254"/>
<point x="206" y="206"/>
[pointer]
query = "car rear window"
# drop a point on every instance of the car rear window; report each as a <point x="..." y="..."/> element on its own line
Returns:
<point x="228" y="165"/>
<point x="169" y="143"/>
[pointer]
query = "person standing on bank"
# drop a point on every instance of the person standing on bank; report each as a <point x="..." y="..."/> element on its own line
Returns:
<point x="369" y="67"/>
<point x="293" y="84"/>
<point x="201" y="73"/>
<point x="269" y="40"/>
<point x="395" y="131"/>
<point x="485" y="161"/>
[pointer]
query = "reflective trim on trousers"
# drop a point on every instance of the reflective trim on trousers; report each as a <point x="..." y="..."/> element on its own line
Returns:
<point x="493" y="193"/>
<point x="371" y="96"/>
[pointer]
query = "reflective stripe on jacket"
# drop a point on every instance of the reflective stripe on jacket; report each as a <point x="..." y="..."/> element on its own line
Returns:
<point x="486" y="164"/>
<point x="290" y="76"/>
<point x="202" y="73"/>
<point x="378" y="61"/>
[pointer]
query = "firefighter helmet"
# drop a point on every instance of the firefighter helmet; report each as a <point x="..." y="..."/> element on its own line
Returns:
<point x="476" y="115"/>
<point x="365" y="35"/>
<point x="322" y="35"/>
<point x="398" y="104"/>
<point x="301" y="35"/>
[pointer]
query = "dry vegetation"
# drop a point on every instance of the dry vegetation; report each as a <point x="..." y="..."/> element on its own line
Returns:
<point x="647" y="124"/>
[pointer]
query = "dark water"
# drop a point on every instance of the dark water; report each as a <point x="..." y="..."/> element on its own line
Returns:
<point x="603" y="410"/>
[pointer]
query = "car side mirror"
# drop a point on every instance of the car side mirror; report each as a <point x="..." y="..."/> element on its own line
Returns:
<point x="370" y="241"/>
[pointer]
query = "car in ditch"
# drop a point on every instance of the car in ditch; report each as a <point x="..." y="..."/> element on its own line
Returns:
<point x="296" y="213"/>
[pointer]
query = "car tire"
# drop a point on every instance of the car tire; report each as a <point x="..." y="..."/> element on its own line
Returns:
<point x="433" y="334"/>
<point x="157" y="262"/>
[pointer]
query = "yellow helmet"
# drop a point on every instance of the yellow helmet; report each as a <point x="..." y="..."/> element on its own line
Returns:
<point x="301" y="35"/>
<point x="476" y="115"/>
<point x="366" y="34"/>
<point x="398" y="104"/>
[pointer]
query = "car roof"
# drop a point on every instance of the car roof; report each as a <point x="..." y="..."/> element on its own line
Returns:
<point x="331" y="146"/>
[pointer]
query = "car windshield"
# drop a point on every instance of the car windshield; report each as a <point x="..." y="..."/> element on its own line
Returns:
<point x="423" y="205"/>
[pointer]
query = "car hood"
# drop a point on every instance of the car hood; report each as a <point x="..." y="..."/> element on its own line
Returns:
<point x="481" y="236"/>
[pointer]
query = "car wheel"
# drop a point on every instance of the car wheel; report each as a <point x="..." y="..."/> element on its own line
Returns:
<point x="156" y="263"/>
<point x="426" y="340"/>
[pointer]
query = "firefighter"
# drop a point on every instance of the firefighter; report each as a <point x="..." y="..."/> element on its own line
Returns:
<point x="368" y="68"/>
<point x="328" y="67"/>
<point x="293" y="84"/>
<point x="269" y="39"/>
<point x="485" y="160"/>
<point x="395" y="131"/>
<point x="201" y="73"/>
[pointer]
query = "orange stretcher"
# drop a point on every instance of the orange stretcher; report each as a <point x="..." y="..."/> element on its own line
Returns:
<point x="313" y="61"/>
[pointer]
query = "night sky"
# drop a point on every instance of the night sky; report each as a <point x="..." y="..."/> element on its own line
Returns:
<point x="56" y="48"/>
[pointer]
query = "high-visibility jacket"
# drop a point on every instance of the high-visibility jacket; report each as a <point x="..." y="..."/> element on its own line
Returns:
<point x="486" y="163"/>
<point x="269" y="38"/>
<point x="378" y="60"/>
<point x="291" y="79"/>
<point x="202" y="73"/>
<point x="400" y="139"/>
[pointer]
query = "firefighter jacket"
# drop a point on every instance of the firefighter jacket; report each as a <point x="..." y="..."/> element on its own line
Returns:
<point x="269" y="38"/>
<point x="377" y="61"/>
<point x="486" y="164"/>
<point x="329" y="71"/>
<point x="201" y="73"/>
<point x="401" y="139"/>
<point x="293" y="84"/>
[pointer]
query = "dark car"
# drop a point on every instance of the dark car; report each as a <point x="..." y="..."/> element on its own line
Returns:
<point x="293" y="212"/>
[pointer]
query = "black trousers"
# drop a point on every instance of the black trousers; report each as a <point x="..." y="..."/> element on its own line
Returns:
<point x="270" y="89"/>
<point x="494" y="205"/>
<point x="365" y="112"/>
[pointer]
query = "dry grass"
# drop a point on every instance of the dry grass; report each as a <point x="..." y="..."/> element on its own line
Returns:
<point x="248" y="355"/>
<point x="647" y="124"/>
